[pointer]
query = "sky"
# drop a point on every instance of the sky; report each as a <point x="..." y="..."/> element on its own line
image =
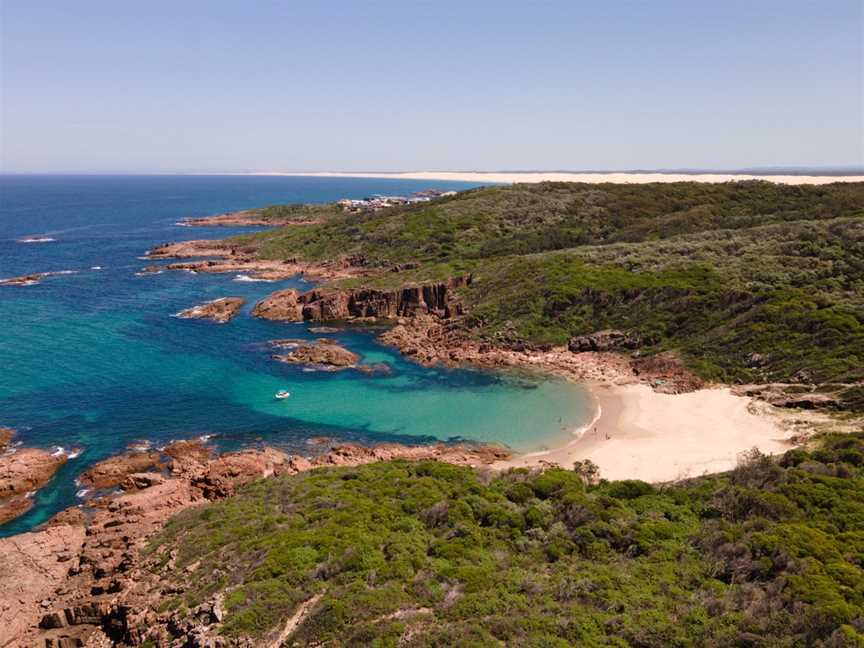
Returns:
<point x="218" y="86"/>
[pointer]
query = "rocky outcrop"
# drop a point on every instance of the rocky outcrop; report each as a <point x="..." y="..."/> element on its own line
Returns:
<point x="22" y="471"/>
<point x="608" y="340"/>
<point x="248" y="218"/>
<point x="666" y="373"/>
<point x="71" y="585"/>
<point x="27" y="469"/>
<point x="219" y="310"/>
<point x="114" y="470"/>
<point x="333" y="304"/>
<point x="5" y="437"/>
<point x="226" y="256"/>
<point x="321" y="352"/>
<point x="794" y="395"/>
<point x="33" y="278"/>
<point x="281" y="306"/>
<point x="33" y="566"/>
<point x="193" y="249"/>
<point x="195" y="450"/>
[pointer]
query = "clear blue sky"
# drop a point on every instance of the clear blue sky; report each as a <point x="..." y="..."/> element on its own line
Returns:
<point x="210" y="86"/>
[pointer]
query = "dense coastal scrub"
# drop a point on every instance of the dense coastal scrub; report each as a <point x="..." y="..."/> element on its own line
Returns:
<point x="429" y="554"/>
<point x="746" y="281"/>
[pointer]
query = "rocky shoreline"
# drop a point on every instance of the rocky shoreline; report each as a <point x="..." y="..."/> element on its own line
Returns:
<point x="246" y="218"/>
<point x="218" y="257"/>
<point x="22" y="472"/>
<point x="218" y="310"/>
<point x="84" y="579"/>
<point x="33" y="278"/>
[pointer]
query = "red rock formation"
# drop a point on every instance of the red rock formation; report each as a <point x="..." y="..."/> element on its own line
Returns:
<point x="27" y="469"/>
<point x="329" y="304"/>
<point x="113" y="471"/>
<point x="33" y="566"/>
<point x="22" y="471"/>
<point x="219" y="310"/>
<point x="281" y="305"/>
<point x="5" y="437"/>
<point x="321" y="352"/>
<point x="68" y="586"/>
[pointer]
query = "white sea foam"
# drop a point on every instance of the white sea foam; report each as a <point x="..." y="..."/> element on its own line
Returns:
<point x="81" y="494"/>
<point x="36" y="239"/>
<point x="59" y="451"/>
<point x="243" y="277"/>
<point x="96" y="267"/>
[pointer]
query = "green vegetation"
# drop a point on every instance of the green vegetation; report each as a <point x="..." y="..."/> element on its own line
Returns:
<point x="427" y="554"/>
<point x="716" y="273"/>
<point x="294" y="213"/>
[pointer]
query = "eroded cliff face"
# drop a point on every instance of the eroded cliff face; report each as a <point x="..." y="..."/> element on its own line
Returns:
<point x="328" y="304"/>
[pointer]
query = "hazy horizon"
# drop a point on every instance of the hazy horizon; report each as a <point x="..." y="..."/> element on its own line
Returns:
<point x="218" y="87"/>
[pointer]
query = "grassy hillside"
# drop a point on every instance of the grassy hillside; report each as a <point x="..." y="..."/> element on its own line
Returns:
<point x="427" y="554"/>
<point x="716" y="272"/>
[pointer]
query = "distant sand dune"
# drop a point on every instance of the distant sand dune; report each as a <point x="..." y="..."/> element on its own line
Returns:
<point x="557" y="176"/>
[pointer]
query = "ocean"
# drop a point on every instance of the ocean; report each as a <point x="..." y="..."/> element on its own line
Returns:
<point x="92" y="360"/>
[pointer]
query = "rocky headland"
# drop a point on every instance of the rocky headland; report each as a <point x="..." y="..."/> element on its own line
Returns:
<point x="222" y="257"/>
<point x="246" y="218"/>
<point x="218" y="310"/>
<point x="86" y="580"/>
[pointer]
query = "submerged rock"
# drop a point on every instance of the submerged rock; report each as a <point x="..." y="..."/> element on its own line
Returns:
<point x="219" y="310"/>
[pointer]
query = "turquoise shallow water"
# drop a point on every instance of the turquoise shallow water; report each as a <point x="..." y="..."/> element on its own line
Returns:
<point x="93" y="360"/>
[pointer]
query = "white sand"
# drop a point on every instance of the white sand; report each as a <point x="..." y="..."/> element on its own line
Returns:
<point x="662" y="437"/>
<point x="543" y="176"/>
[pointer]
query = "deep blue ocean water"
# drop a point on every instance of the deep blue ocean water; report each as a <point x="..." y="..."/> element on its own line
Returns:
<point x="94" y="360"/>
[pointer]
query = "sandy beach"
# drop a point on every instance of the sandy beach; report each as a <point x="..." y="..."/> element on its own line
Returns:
<point x="642" y="434"/>
<point x="559" y="176"/>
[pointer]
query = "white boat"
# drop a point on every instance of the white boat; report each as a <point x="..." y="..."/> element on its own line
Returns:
<point x="282" y="394"/>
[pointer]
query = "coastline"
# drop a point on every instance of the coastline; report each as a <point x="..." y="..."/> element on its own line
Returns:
<point x="655" y="437"/>
<point x="509" y="177"/>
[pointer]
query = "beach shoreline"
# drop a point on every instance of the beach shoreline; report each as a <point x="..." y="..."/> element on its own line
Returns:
<point x="509" y="177"/>
<point x="655" y="437"/>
